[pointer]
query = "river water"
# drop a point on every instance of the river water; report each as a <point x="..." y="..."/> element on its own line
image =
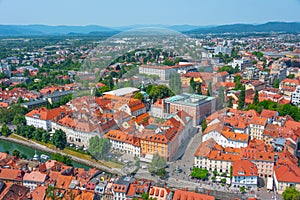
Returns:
<point x="29" y="152"/>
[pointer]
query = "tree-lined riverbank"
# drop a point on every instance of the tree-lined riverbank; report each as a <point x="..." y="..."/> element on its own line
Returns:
<point x="34" y="145"/>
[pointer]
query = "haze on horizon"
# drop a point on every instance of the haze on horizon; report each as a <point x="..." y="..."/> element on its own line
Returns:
<point x="122" y="13"/>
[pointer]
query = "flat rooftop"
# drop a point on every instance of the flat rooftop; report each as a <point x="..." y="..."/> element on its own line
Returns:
<point x="122" y="91"/>
<point x="189" y="99"/>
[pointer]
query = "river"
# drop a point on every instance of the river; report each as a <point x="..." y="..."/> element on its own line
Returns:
<point x="29" y="152"/>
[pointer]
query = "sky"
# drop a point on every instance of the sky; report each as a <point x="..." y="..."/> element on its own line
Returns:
<point x="131" y="12"/>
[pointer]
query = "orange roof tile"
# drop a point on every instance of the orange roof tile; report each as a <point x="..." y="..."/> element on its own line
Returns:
<point x="186" y="195"/>
<point x="39" y="193"/>
<point x="35" y="177"/>
<point x="121" y="136"/>
<point x="45" y="114"/>
<point x="287" y="173"/>
<point x="259" y="121"/>
<point x="244" y="168"/>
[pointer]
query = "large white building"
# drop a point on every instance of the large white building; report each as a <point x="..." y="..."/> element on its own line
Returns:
<point x="42" y="117"/>
<point x="79" y="132"/>
<point x="257" y="127"/>
<point x="295" y="98"/>
<point x="162" y="71"/>
<point x="33" y="179"/>
<point x="225" y="138"/>
<point x="244" y="173"/>
<point x="211" y="156"/>
<point x="124" y="142"/>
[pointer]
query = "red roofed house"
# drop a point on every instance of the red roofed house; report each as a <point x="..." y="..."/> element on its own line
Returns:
<point x="244" y="173"/>
<point x="124" y="142"/>
<point x="225" y="138"/>
<point x="186" y="195"/>
<point x="269" y="114"/>
<point x="11" y="175"/>
<point x="41" y="117"/>
<point x="286" y="175"/>
<point x="33" y="179"/>
<point x="160" y="193"/>
<point x="288" y="86"/>
<point x="257" y="126"/>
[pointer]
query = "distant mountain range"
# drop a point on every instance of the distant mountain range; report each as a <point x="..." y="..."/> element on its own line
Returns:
<point x="36" y="30"/>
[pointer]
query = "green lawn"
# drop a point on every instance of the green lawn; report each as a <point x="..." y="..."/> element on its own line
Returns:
<point x="15" y="136"/>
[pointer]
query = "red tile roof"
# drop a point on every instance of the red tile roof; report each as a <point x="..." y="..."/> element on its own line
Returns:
<point x="287" y="173"/>
<point x="11" y="174"/>
<point x="35" y="177"/>
<point x="121" y="136"/>
<point x="244" y="168"/>
<point x="45" y="114"/>
<point x="186" y="195"/>
<point x="268" y="113"/>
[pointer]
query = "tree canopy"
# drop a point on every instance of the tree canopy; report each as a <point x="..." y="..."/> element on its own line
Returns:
<point x="286" y="109"/>
<point x="157" y="165"/>
<point x="139" y="96"/>
<point x="99" y="147"/>
<point x="291" y="193"/>
<point x="199" y="173"/>
<point x="159" y="92"/>
<point x="59" y="139"/>
<point x="175" y="83"/>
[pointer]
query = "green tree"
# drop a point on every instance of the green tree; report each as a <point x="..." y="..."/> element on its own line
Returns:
<point x="291" y="193"/>
<point x="145" y="196"/>
<point x="38" y="134"/>
<point x="59" y="139"/>
<point x="242" y="189"/>
<point x="161" y="172"/>
<point x="221" y="98"/>
<point x="255" y="99"/>
<point x="16" y="153"/>
<point x="99" y="91"/>
<point x="241" y="100"/>
<point x="175" y="83"/>
<point x="159" y="92"/>
<point x="291" y="76"/>
<point x="5" y="131"/>
<point x="192" y="85"/>
<point x="156" y="164"/>
<point x="99" y="147"/>
<point x="62" y="158"/>
<point x="23" y="156"/>
<point x="230" y="103"/>
<point x="238" y="84"/>
<point x="209" y="90"/>
<point x="46" y="137"/>
<point x="204" y="125"/>
<point x="199" y="90"/>
<point x="50" y="192"/>
<point x="199" y="173"/>
<point x="19" y="120"/>
<point x="276" y="83"/>
<point x="139" y="96"/>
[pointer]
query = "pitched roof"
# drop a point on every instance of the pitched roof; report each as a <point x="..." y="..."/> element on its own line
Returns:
<point x="11" y="174"/>
<point x="15" y="192"/>
<point x="35" y="176"/>
<point x="121" y="136"/>
<point x="235" y="136"/>
<point x="186" y="195"/>
<point x="39" y="193"/>
<point x="244" y="168"/>
<point x="258" y="121"/>
<point x="268" y="113"/>
<point x="45" y="114"/>
<point x="287" y="173"/>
